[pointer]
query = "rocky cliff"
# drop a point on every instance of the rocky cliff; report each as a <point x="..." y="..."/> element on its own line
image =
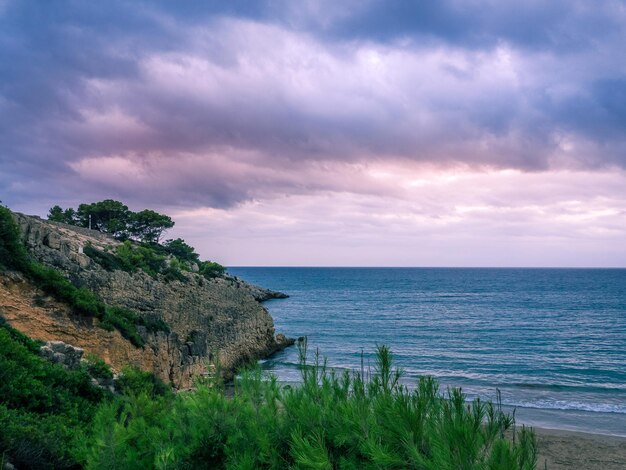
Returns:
<point x="207" y="317"/>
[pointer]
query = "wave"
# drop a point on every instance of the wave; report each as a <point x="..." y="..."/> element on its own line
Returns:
<point x="562" y="405"/>
<point x="488" y="391"/>
<point x="484" y="380"/>
<point x="602" y="388"/>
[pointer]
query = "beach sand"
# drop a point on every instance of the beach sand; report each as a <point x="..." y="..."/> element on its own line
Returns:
<point x="580" y="451"/>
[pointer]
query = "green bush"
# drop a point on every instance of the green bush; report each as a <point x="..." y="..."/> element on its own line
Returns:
<point x="172" y="273"/>
<point x="37" y="441"/>
<point x="108" y="261"/>
<point x="85" y="302"/>
<point x="125" y="322"/>
<point x="210" y="269"/>
<point x="46" y="410"/>
<point x="13" y="254"/>
<point x="181" y="250"/>
<point x="52" y="282"/>
<point x="155" y="259"/>
<point x="153" y="324"/>
<point x="135" y="382"/>
<point x="29" y="382"/>
<point x="97" y="368"/>
<point x="129" y="257"/>
<point x="330" y="421"/>
<point x="19" y="337"/>
<point x="42" y="405"/>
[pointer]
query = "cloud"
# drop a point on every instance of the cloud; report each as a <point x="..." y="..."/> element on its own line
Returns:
<point x="558" y="25"/>
<point x="452" y="218"/>
<point x="233" y="105"/>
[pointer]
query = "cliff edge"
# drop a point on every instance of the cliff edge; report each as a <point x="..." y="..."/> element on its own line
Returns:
<point x="208" y="319"/>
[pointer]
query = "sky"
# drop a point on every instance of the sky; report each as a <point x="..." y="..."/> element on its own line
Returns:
<point x="324" y="133"/>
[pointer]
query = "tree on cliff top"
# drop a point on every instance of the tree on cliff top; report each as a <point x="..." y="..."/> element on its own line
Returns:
<point x="148" y="225"/>
<point x="107" y="216"/>
<point x="114" y="217"/>
<point x="67" y="216"/>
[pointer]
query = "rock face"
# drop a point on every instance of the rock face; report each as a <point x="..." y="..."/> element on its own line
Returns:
<point x="207" y="318"/>
<point x="62" y="353"/>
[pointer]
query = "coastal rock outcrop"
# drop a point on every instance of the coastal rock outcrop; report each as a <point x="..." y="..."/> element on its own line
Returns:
<point x="209" y="319"/>
<point x="260" y="294"/>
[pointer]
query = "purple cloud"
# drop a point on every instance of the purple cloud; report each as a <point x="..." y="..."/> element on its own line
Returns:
<point x="233" y="105"/>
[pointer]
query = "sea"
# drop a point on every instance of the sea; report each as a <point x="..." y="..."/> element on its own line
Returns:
<point x="550" y="342"/>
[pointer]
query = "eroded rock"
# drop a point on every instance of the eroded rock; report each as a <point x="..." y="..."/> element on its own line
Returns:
<point x="62" y="353"/>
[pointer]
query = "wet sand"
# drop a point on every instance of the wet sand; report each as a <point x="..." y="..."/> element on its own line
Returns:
<point x="581" y="451"/>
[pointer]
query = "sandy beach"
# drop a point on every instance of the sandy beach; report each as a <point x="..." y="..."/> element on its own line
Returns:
<point x="581" y="451"/>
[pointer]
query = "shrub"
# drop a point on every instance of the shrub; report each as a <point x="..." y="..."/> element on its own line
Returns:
<point x="36" y="441"/>
<point x="108" y="261"/>
<point x="125" y="321"/>
<point x="155" y="259"/>
<point x="42" y="405"/>
<point x="52" y="282"/>
<point x="153" y="324"/>
<point x="330" y="421"/>
<point x="181" y="250"/>
<point x="97" y="368"/>
<point x="135" y="382"/>
<point x="132" y="258"/>
<point x="13" y="254"/>
<point x="210" y="269"/>
<point x="173" y="271"/>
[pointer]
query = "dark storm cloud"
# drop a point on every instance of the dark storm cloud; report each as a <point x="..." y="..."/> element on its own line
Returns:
<point x="600" y="112"/>
<point x="212" y="103"/>
<point x="558" y="24"/>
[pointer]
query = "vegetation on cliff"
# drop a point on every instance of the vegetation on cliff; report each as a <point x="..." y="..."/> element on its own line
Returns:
<point x="13" y="255"/>
<point x="170" y="259"/>
<point x="145" y="228"/>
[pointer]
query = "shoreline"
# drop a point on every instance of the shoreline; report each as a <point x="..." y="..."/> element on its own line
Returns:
<point x="586" y="422"/>
<point x="561" y="449"/>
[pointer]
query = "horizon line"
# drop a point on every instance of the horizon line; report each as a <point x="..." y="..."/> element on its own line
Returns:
<point x="425" y="267"/>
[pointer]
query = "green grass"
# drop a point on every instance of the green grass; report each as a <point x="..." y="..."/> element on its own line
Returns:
<point x="331" y="421"/>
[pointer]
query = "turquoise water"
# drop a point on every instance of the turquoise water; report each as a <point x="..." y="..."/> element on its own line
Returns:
<point x="553" y="341"/>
